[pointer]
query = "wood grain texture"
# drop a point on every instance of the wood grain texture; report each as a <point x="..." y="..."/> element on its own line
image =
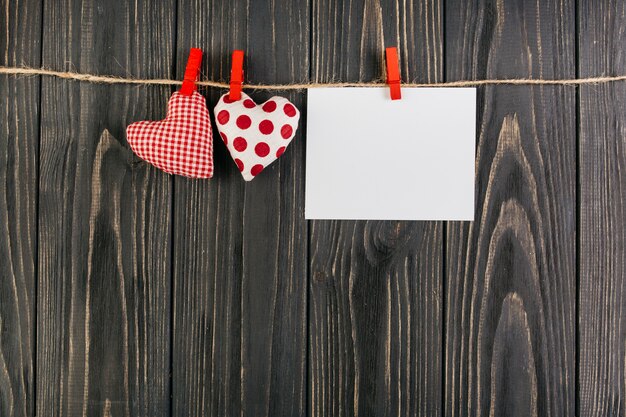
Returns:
<point x="20" y="24"/>
<point x="375" y="308"/>
<point x="511" y="274"/>
<point x="104" y="262"/>
<point x="240" y="249"/>
<point x="602" y="174"/>
<point x="127" y="292"/>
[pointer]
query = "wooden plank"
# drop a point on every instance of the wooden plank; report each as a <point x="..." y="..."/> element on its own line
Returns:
<point x="104" y="264"/>
<point x="602" y="256"/>
<point x="240" y="249"/>
<point x="20" y="24"/>
<point x="375" y="308"/>
<point x="510" y="297"/>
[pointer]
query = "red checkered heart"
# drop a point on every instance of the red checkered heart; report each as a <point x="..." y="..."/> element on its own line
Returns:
<point x="256" y="135"/>
<point x="182" y="143"/>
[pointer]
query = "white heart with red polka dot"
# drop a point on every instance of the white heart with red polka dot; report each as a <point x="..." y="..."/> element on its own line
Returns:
<point x="256" y="135"/>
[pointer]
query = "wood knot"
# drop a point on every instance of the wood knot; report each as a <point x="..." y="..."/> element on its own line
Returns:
<point x="320" y="277"/>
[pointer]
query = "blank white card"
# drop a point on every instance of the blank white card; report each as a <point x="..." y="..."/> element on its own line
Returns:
<point x="370" y="157"/>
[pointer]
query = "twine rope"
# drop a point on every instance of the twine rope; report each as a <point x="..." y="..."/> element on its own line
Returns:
<point x="106" y="79"/>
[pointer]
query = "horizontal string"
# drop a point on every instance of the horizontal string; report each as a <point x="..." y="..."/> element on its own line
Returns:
<point x="104" y="79"/>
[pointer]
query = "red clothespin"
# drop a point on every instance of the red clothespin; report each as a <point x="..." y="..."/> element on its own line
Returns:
<point x="191" y="72"/>
<point x="393" y="72"/>
<point x="236" y="76"/>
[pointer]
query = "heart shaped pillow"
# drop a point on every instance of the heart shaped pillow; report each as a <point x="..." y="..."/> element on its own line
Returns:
<point x="182" y="143"/>
<point x="256" y="135"/>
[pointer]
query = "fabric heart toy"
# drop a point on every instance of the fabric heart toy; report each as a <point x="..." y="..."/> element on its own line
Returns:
<point x="182" y="143"/>
<point x="255" y="135"/>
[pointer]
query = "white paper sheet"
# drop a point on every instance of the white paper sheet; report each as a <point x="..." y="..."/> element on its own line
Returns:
<point x="370" y="157"/>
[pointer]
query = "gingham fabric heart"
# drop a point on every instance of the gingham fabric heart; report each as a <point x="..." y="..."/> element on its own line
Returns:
<point x="256" y="135"/>
<point x="182" y="143"/>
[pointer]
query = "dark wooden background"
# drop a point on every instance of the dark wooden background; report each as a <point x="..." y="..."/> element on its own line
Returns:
<point x="128" y="292"/>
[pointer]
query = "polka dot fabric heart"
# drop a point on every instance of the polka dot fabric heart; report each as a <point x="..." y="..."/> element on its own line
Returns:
<point x="256" y="135"/>
<point x="180" y="144"/>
